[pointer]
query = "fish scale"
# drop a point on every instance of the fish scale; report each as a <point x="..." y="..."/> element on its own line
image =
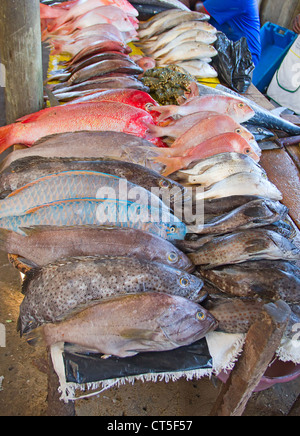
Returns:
<point x="99" y="212"/>
<point x="72" y="184"/>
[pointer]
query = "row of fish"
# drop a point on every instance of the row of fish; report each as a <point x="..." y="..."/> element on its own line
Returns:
<point x="182" y="38"/>
<point x="95" y="34"/>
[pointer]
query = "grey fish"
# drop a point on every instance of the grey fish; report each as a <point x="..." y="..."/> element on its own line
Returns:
<point x="262" y="117"/>
<point x="97" y="58"/>
<point x="49" y="291"/>
<point x="116" y="81"/>
<point x="266" y="280"/>
<point x="134" y="323"/>
<point x="44" y="245"/>
<point x="112" y="145"/>
<point x="259" y="133"/>
<point x="104" y="68"/>
<point x="25" y="170"/>
<point x="256" y="213"/>
<point x="239" y="247"/>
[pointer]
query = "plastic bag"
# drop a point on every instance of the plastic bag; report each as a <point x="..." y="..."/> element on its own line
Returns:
<point x="234" y="63"/>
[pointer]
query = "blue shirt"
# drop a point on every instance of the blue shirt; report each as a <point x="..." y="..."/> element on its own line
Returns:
<point x="237" y="18"/>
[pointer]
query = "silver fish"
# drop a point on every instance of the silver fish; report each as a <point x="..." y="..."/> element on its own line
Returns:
<point x="216" y="168"/>
<point x="187" y="51"/>
<point x="242" y="184"/>
<point x="198" y="68"/>
<point x="134" y="323"/>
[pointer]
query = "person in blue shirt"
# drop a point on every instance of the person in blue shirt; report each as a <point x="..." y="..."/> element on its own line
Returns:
<point x="235" y="18"/>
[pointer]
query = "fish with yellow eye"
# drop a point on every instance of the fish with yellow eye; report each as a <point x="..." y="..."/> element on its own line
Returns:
<point x="101" y="212"/>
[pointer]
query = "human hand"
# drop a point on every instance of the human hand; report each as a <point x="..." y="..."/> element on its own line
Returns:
<point x="296" y="24"/>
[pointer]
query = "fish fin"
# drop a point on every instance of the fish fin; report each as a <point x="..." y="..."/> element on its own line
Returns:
<point x="138" y="334"/>
<point x="172" y="164"/>
<point x="165" y="111"/>
<point x="256" y="245"/>
<point x="31" y="274"/>
<point x="155" y="131"/>
<point x="52" y="99"/>
<point x="5" y="137"/>
<point x="34" y="337"/>
<point x="4" y="235"/>
<point x="254" y="212"/>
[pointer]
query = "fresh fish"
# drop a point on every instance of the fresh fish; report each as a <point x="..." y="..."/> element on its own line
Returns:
<point x="235" y="315"/>
<point x="26" y="170"/>
<point x="160" y="323"/>
<point x="219" y="167"/>
<point x="220" y="206"/>
<point x="199" y="132"/>
<point x="98" y="29"/>
<point x="242" y="184"/>
<point x="168" y="4"/>
<point x="107" y="145"/>
<point x="133" y="97"/>
<point x="103" y="14"/>
<point x="259" y="133"/>
<point x="242" y="246"/>
<point x="95" y="279"/>
<point x="186" y="51"/>
<point x="72" y="185"/>
<point x="198" y="68"/>
<point x="227" y="142"/>
<point x="226" y="105"/>
<point x="191" y="35"/>
<point x="101" y="212"/>
<point x="173" y="18"/>
<point x="96" y="58"/>
<point x="103" y="68"/>
<point x="117" y="81"/>
<point x="44" y="245"/>
<point x="266" y="280"/>
<point x="152" y="45"/>
<point x="97" y="48"/>
<point x="84" y="116"/>
<point x="262" y="117"/>
<point x="256" y="213"/>
<point x="77" y="45"/>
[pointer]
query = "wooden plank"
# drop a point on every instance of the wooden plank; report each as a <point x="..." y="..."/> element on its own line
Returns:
<point x="21" y="55"/>
<point x="258" y="352"/>
<point x="279" y="12"/>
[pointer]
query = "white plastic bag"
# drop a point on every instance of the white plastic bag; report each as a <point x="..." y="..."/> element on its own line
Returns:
<point x="285" y="86"/>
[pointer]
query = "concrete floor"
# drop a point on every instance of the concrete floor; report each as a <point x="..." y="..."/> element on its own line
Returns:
<point x="23" y="390"/>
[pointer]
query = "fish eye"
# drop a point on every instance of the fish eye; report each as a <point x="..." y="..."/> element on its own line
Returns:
<point x="172" y="257"/>
<point x="149" y="107"/>
<point x="238" y="131"/>
<point x="184" y="282"/>
<point x="173" y="229"/>
<point x="200" y="315"/>
<point x="241" y="105"/>
<point x="163" y="183"/>
<point x="260" y="130"/>
<point x="248" y="150"/>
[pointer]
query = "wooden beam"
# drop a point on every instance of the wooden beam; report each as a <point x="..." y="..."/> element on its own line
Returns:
<point x="262" y="341"/>
<point x="21" y="55"/>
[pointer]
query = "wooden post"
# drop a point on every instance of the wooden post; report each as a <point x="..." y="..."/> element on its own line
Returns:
<point x="261" y="344"/>
<point x="21" y="55"/>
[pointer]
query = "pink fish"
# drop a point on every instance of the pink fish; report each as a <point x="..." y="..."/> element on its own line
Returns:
<point x="96" y="116"/>
<point x="236" y="109"/>
<point x="203" y="130"/>
<point x="227" y="142"/>
<point x="75" y="46"/>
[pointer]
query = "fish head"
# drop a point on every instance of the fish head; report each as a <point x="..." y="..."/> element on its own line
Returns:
<point x="246" y="148"/>
<point x="190" y="284"/>
<point x="175" y="230"/>
<point x="239" y="110"/>
<point x="287" y="247"/>
<point x="177" y="259"/>
<point x="185" y="322"/>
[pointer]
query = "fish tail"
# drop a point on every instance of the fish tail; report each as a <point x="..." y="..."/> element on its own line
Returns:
<point x="155" y="131"/>
<point x="172" y="164"/>
<point x="165" y="111"/>
<point x="6" y="137"/>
